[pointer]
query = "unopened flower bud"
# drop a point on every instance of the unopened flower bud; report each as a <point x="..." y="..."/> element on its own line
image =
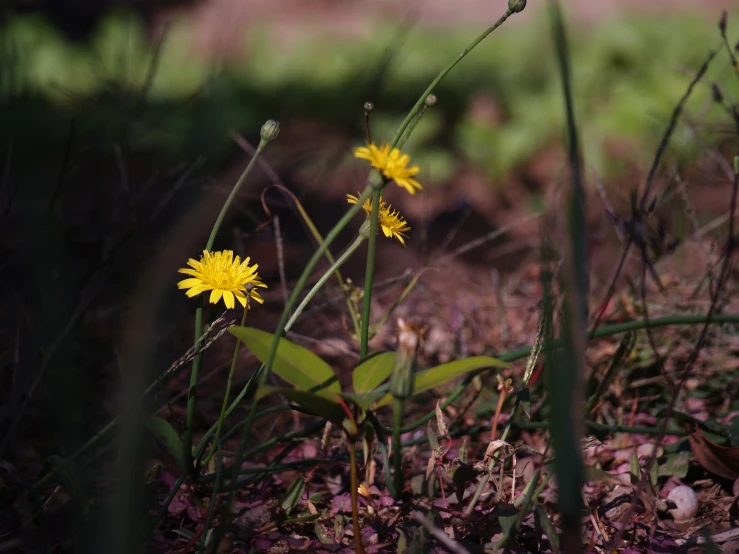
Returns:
<point x="270" y="130"/>
<point x="368" y="106"/>
<point x="403" y="378"/>
<point x="722" y="23"/>
<point x="430" y="100"/>
<point x="516" y="6"/>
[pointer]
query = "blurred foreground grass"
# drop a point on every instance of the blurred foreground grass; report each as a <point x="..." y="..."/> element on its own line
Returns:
<point x="499" y="110"/>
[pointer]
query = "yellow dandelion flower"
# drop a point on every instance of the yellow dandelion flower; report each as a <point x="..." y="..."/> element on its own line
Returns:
<point x="391" y="222"/>
<point x="392" y="163"/>
<point x="224" y="276"/>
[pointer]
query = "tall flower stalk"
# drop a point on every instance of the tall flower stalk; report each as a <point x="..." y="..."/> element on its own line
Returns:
<point x="269" y="132"/>
<point x="376" y="182"/>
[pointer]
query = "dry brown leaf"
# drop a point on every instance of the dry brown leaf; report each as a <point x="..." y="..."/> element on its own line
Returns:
<point x="721" y="460"/>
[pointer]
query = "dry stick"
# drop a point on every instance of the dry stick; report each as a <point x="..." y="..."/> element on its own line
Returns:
<point x="446" y="541"/>
<point x="280" y="258"/>
<point x="670" y="129"/>
<point x="650" y="178"/>
<point x="730" y="247"/>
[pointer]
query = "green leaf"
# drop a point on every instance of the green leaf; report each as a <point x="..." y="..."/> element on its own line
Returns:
<point x="296" y="365"/>
<point x="676" y="465"/>
<point x="163" y="430"/>
<point x="549" y="530"/>
<point x="373" y="371"/>
<point x="293" y="495"/>
<point x="311" y="402"/>
<point x="508" y="519"/>
<point x="364" y="401"/>
<point x="440" y="374"/>
<point x="322" y="534"/>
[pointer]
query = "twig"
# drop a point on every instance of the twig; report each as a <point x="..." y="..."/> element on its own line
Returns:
<point x="446" y="541"/>
<point x="280" y="257"/>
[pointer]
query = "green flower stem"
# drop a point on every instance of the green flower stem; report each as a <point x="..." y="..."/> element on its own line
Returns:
<point x="224" y="406"/>
<point x="319" y="239"/>
<point x="214" y="496"/>
<point x="412" y="127"/>
<point x="279" y="331"/>
<point x="443" y="73"/>
<point x="187" y="438"/>
<point x="322" y="281"/>
<point x="369" y="275"/>
<point x="332" y="270"/>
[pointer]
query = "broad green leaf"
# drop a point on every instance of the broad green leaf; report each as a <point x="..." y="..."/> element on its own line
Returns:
<point x="322" y="534"/>
<point x="296" y="365"/>
<point x="364" y="401"/>
<point x="293" y="495"/>
<point x="373" y="371"/>
<point x="508" y="519"/>
<point x="163" y="430"/>
<point x="313" y="403"/>
<point x="548" y="528"/>
<point x="440" y="374"/>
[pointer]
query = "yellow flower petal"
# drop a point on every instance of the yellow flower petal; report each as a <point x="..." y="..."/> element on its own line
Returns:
<point x="391" y="222"/>
<point x="392" y="163"/>
<point x="224" y="275"/>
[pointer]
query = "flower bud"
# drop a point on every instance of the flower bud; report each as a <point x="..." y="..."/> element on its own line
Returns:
<point x="403" y="379"/>
<point x="515" y="6"/>
<point x="270" y="130"/>
<point x="430" y="100"/>
<point x="368" y="106"/>
<point x="717" y="96"/>
<point x="722" y="23"/>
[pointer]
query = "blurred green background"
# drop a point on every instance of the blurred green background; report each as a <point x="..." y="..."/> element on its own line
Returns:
<point x="496" y="111"/>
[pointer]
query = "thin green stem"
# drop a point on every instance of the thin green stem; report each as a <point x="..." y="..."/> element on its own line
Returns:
<point x="369" y="275"/>
<point x="187" y="437"/>
<point x="191" y="392"/>
<point x="264" y="369"/>
<point x="224" y="406"/>
<point x="234" y="191"/>
<point x="443" y="74"/>
<point x="214" y="497"/>
<point x="322" y="281"/>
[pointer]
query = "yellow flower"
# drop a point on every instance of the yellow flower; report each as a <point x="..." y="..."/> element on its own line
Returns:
<point x="224" y="276"/>
<point x="392" y="163"/>
<point x="391" y="222"/>
<point x="363" y="490"/>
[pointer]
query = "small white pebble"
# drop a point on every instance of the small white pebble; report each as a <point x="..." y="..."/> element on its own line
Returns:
<point x="686" y="502"/>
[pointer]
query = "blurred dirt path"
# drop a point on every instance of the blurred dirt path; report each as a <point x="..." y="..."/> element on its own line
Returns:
<point x="222" y="24"/>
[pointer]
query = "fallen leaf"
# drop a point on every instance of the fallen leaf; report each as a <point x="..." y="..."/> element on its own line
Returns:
<point x="721" y="460"/>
